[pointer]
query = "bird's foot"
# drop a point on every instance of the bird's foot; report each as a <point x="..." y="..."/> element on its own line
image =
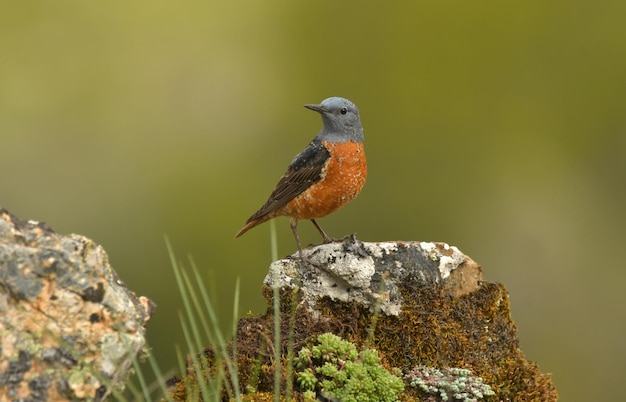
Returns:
<point x="351" y="244"/>
<point x="328" y="240"/>
<point x="350" y="237"/>
<point x="305" y="258"/>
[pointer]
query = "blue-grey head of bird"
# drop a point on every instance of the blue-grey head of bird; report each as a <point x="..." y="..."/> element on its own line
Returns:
<point x="341" y="120"/>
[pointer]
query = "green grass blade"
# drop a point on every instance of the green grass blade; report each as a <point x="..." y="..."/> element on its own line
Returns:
<point x="273" y="240"/>
<point x="276" y="306"/>
<point x="221" y="344"/>
<point x="142" y="382"/>
<point x="159" y="377"/>
<point x="194" y="345"/>
<point x="234" y="328"/>
<point x="191" y="316"/>
<point x="182" y="361"/>
<point x="179" y="280"/>
<point x="194" y="327"/>
<point x="277" y="348"/>
<point x="201" y="380"/>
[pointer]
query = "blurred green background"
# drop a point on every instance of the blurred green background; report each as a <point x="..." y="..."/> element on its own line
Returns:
<point x="498" y="127"/>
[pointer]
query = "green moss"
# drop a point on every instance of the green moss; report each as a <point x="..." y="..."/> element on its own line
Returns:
<point x="333" y="367"/>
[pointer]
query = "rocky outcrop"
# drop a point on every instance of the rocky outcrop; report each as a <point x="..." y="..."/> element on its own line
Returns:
<point x="371" y="274"/>
<point x="424" y="307"/>
<point x="69" y="327"/>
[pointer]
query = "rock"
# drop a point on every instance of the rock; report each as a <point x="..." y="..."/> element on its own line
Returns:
<point x="423" y="306"/>
<point x="69" y="327"/>
<point x="369" y="274"/>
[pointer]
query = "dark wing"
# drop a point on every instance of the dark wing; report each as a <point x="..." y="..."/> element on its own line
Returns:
<point x="305" y="169"/>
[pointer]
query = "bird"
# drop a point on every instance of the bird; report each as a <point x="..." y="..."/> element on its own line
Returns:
<point x="326" y="175"/>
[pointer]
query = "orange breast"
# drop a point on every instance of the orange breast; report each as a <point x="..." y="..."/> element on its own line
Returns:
<point x="344" y="177"/>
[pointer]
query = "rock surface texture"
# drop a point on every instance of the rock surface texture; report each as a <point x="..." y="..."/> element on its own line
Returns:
<point x="69" y="328"/>
<point x="370" y="274"/>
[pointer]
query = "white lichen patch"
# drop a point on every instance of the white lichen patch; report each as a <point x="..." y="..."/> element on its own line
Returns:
<point x="430" y="250"/>
<point x="378" y="250"/>
<point x="447" y="263"/>
<point x="354" y="271"/>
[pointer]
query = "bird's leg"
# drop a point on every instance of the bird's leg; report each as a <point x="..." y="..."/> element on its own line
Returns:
<point x="324" y="235"/>
<point x="294" y="228"/>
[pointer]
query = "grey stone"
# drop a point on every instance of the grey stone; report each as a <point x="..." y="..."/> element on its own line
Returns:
<point x="69" y="328"/>
<point x="369" y="273"/>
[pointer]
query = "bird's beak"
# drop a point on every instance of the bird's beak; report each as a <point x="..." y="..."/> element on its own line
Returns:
<point x="317" y="108"/>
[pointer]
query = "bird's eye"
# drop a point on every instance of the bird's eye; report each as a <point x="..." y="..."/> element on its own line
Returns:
<point x="343" y="110"/>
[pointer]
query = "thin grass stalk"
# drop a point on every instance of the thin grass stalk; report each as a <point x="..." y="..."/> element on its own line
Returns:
<point x="186" y="290"/>
<point x="277" y="348"/>
<point x="191" y="317"/>
<point x="182" y="361"/>
<point x="273" y="240"/>
<point x="142" y="382"/>
<point x="200" y="378"/>
<point x="234" y="375"/>
<point x="159" y="377"/>
<point x="194" y="328"/>
<point x="205" y="324"/>
<point x="235" y="356"/>
<point x="214" y="388"/>
<point x="276" y="307"/>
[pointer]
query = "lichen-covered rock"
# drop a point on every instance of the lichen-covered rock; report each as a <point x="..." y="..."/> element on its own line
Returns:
<point x="419" y="305"/>
<point x="370" y="273"/>
<point x="69" y="328"/>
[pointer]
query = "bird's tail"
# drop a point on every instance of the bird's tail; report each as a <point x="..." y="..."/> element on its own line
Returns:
<point x="252" y="224"/>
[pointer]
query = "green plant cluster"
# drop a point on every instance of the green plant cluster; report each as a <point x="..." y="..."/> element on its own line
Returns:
<point x="333" y="367"/>
<point x="456" y="384"/>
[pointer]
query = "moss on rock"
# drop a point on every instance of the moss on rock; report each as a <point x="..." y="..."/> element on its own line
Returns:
<point x="434" y="328"/>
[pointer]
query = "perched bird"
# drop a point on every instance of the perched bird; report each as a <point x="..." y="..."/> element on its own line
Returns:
<point x="325" y="176"/>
